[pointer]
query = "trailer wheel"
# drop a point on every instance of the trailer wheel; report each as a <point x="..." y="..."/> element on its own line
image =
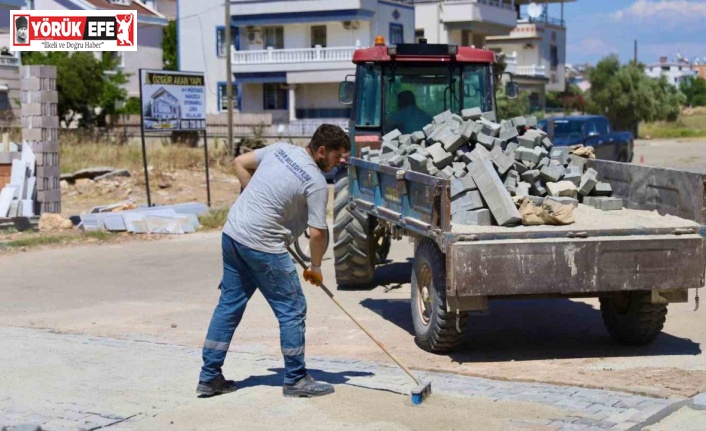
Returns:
<point x="631" y="318"/>
<point x="434" y="327"/>
<point x="353" y="263"/>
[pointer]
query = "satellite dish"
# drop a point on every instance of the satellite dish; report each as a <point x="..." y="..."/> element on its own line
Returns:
<point x="534" y="10"/>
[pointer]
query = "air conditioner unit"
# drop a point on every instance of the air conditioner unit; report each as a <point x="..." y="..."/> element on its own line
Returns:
<point x="351" y="25"/>
<point x="254" y="35"/>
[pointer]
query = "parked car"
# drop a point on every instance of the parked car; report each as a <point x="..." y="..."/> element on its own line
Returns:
<point x="590" y="130"/>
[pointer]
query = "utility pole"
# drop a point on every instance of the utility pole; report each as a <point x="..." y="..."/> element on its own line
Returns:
<point x="635" y="55"/>
<point x="229" y="79"/>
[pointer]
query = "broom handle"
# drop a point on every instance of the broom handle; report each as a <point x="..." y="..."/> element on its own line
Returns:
<point x="360" y="325"/>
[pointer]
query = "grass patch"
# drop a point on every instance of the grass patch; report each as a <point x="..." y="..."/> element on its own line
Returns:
<point x="38" y="239"/>
<point x="691" y="124"/>
<point x="214" y="219"/>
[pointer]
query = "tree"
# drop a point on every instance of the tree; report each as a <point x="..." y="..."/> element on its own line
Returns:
<point x="170" y="54"/>
<point x="694" y="88"/>
<point x="85" y="85"/>
<point x="509" y="108"/>
<point x="627" y="96"/>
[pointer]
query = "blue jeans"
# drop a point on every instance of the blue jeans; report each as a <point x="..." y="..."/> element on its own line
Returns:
<point x="245" y="270"/>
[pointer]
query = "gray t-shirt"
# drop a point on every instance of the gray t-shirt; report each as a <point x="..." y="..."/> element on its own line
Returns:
<point x="287" y="192"/>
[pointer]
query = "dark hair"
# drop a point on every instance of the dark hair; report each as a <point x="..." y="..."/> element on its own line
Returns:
<point x="331" y="137"/>
<point x="406" y="98"/>
<point x="21" y="22"/>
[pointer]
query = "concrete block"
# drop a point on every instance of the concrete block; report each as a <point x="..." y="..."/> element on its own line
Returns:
<point x="577" y="161"/>
<point x="38" y="84"/>
<point x="531" y="176"/>
<point x="562" y="188"/>
<point x="458" y="166"/>
<point x="47" y="159"/>
<point x="501" y="160"/>
<point x="526" y="141"/>
<point x="39" y="109"/>
<point x="507" y="130"/>
<point x="530" y="121"/>
<point x="389" y="147"/>
<point x="547" y="143"/>
<point x="405" y="140"/>
<point x="49" y="196"/>
<point x="47" y="171"/>
<point x="470" y="130"/>
<point x="39" y="97"/>
<point x="520" y="168"/>
<point x="392" y="135"/>
<point x="526" y="155"/>
<point x="574" y="177"/>
<point x="471" y="114"/>
<point x="490" y="116"/>
<point x="457" y="119"/>
<point x="538" y="189"/>
<point x="480" y="217"/>
<point x="543" y="163"/>
<point x="462" y="185"/>
<point x="565" y="200"/>
<point x="428" y="130"/>
<point x="433" y="171"/>
<point x="443" y="117"/>
<point x="602" y="189"/>
<point x="519" y="122"/>
<point x="37" y="72"/>
<point x="478" y="154"/>
<point x="552" y="173"/>
<point x="44" y="147"/>
<point x="511" y="182"/>
<point x="608" y="204"/>
<point x="542" y="152"/>
<point x="40" y="122"/>
<point x="447" y="173"/>
<point x="417" y="137"/>
<point x="493" y="191"/>
<point x="489" y="128"/>
<point x="40" y="134"/>
<point x="698" y="402"/>
<point x="467" y="201"/>
<point x="485" y="140"/>
<point x="561" y="154"/>
<point x="397" y="161"/>
<point x="412" y="149"/>
<point x="385" y="157"/>
<point x="451" y="139"/>
<point x="365" y="153"/>
<point x="439" y="156"/>
<point x="499" y="143"/>
<point x="418" y="162"/>
<point x="588" y="182"/>
<point x="512" y="146"/>
<point x="523" y="189"/>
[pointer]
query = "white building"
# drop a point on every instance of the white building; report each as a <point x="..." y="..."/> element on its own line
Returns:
<point x="288" y="56"/>
<point x="9" y="67"/>
<point x="675" y="72"/>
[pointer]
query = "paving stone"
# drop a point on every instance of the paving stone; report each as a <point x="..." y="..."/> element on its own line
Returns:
<point x="501" y="160"/>
<point x="519" y="122"/>
<point x="493" y="191"/>
<point x="388" y="147"/>
<point x="443" y="117"/>
<point x="418" y="162"/>
<point x="511" y="182"/>
<point x="562" y="188"/>
<point x="489" y="128"/>
<point x="439" y="156"/>
<point x="512" y="146"/>
<point x="485" y="140"/>
<point x="579" y="161"/>
<point x="490" y="116"/>
<point x="552" y="173"/>
<point x="478" y="154"/>
<point x="467" y="201"/>
<point x="428" y="129"/>
<point x="588" y="182"/>
<point x="451" y="139"/>
<point x="457" y="118"/>
<point x="471" y="114"/>
<point x="392" y="135"/>
<point x="561" y="154"/>
<point x="602" y="189"/>
<point x="535" y="135"/>
<point x="526" y="155"/>
<point x="531" y="121"/>
<point x="589" y="200"/>
<point x="573" y="177"/>
<point x="547" y="143"/>
<point x="608" y="204"/>
<point x="699" y="401"/>
<point x="526" y="141"/>
<point x="523" y="189"/>
<point x="405" y="140"/>
<point x="365" y="152"/>
<point x="446" y="173"/>
<point x="530" y="176"/>
<point x="507" y="131"/>
<point x="538" y="189"/>
<point x="520" y="168"/>
<point x="565" y="200"/>
<point x="417" y="137"/>
<point x="397" y="161"/>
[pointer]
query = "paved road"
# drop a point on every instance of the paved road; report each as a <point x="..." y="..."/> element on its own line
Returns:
<point x="689" y="154"/>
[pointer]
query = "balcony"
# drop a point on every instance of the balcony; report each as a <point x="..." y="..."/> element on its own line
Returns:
<point x="531" y="70"/>
<point x="6" y="60"/>
<point x="292" y="60"/>
<point x="488" y="17"/>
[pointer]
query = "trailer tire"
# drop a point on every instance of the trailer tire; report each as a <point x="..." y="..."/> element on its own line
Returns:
<point x="352" y="261"/>
<point x="631" y="318"/>
<point x="434" y="327"/>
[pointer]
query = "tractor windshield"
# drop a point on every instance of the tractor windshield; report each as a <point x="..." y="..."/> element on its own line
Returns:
<point x="406" y="96"/>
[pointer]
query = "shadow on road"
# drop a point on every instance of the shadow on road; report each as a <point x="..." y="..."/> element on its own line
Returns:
<point x="390" y="275"/>
<point x="536" y="329"/>
<point x="277" y="377"/>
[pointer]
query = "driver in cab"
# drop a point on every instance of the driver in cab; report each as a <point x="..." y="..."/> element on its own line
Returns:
<point x="409" y="117"/>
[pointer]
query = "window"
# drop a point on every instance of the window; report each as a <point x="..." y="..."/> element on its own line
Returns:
<point x="396" y="33"/>
<point x="553" y="56"/>
<point x="318" y="35"/>
<point x="223" y="96"/>
<point x="418" y="35"/>
<point x="274" y="37"/>
<point x="275" y="97"/>
<point x="367" y="113"/>
<point x="4" y="101"/>
<point x="602" y="126"/>
<point x="221" y="37"/>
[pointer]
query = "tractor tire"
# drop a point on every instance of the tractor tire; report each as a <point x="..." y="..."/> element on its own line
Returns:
<point x="632" y="319"/>
<point x="351" y="248"/>
<point x="434" y="327"/>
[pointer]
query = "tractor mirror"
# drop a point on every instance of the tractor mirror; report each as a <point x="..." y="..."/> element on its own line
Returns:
<point x="512" y="89"/>
<point x="345" y="93"/>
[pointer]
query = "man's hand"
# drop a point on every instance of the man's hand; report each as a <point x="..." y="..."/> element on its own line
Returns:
<point x="313" y="275"/>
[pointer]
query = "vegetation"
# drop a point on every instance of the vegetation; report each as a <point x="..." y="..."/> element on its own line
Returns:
<point x="214" y="219"/>
<point x="694" y="88"/>
<point x="509" y="108"/>
<point x="37" y="239"/>
<point x="691" y="124"/>
<point x="570" y="100"/>
<point x="170" y="53"/>
<point x="90" y="89"/>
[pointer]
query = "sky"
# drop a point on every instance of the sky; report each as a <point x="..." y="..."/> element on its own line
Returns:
<point x="596" y="28"/>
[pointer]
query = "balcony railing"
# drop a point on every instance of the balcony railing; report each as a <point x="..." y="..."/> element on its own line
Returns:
<point x="304" y="55"/>
<point x="6" y="60"/>
<point x="544" y="19"/>
<point x="505" y="4"/>
<point x="524" y="70"/>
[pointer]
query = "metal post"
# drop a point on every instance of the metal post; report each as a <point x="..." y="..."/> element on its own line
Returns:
<point x="144" y="147"/>
<point x="229" y="82"/>
<point x="208" y="178"/>
<point x="635" y="55"/>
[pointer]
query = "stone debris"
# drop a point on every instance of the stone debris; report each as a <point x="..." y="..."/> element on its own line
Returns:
<point x="488" y="162"/>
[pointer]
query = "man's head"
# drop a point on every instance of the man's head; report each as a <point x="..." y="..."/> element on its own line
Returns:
<point x="21" y="27"/>
<point x="405" y="99"/>
<point x="328" y="146"/>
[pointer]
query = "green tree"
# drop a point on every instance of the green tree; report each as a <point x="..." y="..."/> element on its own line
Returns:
<point x="170" y="54"/>
<point x="85" y="85"/>
<point x="509" y="108"/>
<point x="694" y="88"/>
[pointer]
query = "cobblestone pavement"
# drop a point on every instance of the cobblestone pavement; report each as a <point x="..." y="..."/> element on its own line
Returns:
<point x="79" y="382"/>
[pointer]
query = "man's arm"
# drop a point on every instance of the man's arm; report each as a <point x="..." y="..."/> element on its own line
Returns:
<point x="317" y="243"/>
<point x="245" y="166"/>
<point x="316" y="203"/>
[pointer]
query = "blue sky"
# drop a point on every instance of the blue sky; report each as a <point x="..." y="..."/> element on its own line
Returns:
<point x="596" y="28"/>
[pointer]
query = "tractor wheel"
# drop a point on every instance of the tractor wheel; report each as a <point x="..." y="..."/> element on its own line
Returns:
<point x="631" y="318"/>
<point x="434" y="327"/>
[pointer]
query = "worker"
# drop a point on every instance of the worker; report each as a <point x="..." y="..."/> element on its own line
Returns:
<point x="284" y="190"/>
<point x="409" y="118"/>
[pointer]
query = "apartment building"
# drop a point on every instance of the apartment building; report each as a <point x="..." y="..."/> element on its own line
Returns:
<point x="9" y="67"/>
<point x="675" y="72"/>
<point x="287" y="57"/>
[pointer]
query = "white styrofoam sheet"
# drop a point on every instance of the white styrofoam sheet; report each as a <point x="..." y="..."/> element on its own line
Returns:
<point x="27" y="208"/>
<point x="29" y="158"/>
<point x="6" y="195"/>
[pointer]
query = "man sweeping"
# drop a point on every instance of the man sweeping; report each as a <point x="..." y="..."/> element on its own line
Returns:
<point x="283" y="192"/>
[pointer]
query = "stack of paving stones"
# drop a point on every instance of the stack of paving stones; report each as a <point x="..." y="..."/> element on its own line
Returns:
<point x="488" y="163"/>
<point x="40" y="128"/>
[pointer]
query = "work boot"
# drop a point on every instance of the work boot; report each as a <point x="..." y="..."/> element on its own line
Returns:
<point x="306" y="388"/>
<point x="217" y="386"/>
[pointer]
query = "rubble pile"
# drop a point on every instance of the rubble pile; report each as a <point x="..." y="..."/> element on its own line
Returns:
<point x="489" y="163"/>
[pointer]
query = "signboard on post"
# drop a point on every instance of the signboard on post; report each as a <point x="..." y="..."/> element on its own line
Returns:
<point x="172" y="102"/>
